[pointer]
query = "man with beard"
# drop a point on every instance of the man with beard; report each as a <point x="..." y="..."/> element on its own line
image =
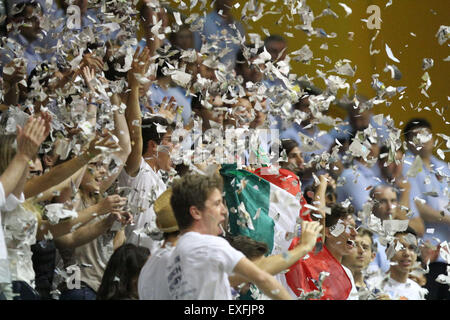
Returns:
<point x="295" y="162"/>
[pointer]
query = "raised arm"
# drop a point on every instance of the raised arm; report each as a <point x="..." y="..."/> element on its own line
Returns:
<point x="121" y="132"/>
<point x="28" y="141"/>
<point x="320" y="198"/>
<point x="429" y="214"/>
<point x="133" y="114"/>
<point x="277" y="263"/>
<point x="87" y="233"/>
<point x="88" y="76"/>
<point x="107" y="205"/>
<point x="64" y="172"/>
<point x="262" y="279"/>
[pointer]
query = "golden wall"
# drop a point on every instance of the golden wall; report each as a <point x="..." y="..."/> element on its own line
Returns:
<point x="408" y="27"/>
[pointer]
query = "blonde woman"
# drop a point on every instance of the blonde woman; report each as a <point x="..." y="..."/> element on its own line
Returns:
<point x="28" y="141"/>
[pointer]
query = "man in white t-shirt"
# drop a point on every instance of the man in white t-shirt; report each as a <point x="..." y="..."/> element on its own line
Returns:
<point x="151" y="146"/>
<point x="145" y="183"/>
<point x="152" y="284"/>
<point x="396" y="283"/>
<point x="199" y="266"/>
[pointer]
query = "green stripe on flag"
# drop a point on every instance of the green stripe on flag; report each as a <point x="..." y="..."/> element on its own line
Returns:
<point x="243" y="188"/>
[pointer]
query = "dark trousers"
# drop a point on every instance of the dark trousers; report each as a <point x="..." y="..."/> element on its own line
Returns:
<point x="436" y="290"/>
<point x="24" y="291"/>
<point x="84" y="293"/>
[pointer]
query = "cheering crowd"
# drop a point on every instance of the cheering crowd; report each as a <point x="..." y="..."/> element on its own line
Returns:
<point x="120" y="121"/>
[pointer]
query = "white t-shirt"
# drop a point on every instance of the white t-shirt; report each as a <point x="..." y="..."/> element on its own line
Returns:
<point x="2" y="195"/>
<point x="146" y="187"/>
<point x="152" y="282"/>
<point x="5" y="276"/>
<point x="20" y="227"/>
<point x="409" y="290"/>
<point x="199" y="266"/>
<point x="354" y="292"/>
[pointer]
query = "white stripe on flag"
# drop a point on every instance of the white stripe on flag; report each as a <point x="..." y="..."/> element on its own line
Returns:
<point x="284" y="209"/>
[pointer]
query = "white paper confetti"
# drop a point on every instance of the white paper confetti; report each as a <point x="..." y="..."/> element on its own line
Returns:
<point x="390" y="54"/>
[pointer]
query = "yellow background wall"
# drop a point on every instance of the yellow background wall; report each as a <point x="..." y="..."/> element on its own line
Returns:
<point x="399" y="20"/>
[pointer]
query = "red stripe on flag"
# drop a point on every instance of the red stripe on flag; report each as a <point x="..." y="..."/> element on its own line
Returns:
<point x="337" y="285"/>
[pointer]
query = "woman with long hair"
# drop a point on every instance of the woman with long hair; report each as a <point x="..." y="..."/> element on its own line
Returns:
<point x="121" y="275"/>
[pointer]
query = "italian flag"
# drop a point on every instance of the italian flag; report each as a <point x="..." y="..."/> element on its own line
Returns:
<point x="268" y="206"/>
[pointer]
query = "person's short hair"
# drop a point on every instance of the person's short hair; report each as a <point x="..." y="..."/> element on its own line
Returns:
<point x="414" y="124"/>
<point x="338" y="211"/>
<point x="366" y="232"/>
<point x="199" y="97"/>
<point x="18" y="10"/>
<point x="383" y="149"/>
<point x="112" y="74"/>
<point x="192" y="190"/>
<point x="196" y="101"/>
<point x="167" y="55"/>
<point x="408" y="230"/>
<point x="241" y="59"/>
<point x="173" y="35"/>
<point x="308" y="87"/>
<point x="288" y="145"/>
<point x="122" y="270"/>
<point x="252" y="249"/>
<point x="150" y="132"/>
<point x="376" y="189"/>
<point x="329" y="192"/>
<point x="274" y="38"/>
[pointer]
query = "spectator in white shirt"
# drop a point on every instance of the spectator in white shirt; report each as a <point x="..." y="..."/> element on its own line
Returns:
<point x="152" y="283"/>
<point x="151" y="145"/>
<point x="397" y="283"/>
<point x="200" y="264"/>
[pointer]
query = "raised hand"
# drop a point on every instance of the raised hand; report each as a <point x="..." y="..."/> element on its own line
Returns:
<point x="167" y="109"/>
<point x="124" y="217"/>
<point x="47" y="122"/>
<point x="88" y="75"/>
<point x="139" y="67"/>
<point x="112" y="203"/>
<point x="92" y="62"/>
<point x="402" y="184"/>
<point x="99" y="143"/>
<point x="31" y="136"/>
<point x="310" y="232"/>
